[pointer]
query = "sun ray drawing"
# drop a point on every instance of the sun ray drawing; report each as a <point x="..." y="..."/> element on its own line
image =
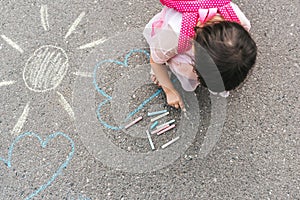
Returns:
<point x="6" y="83"/>
<point x="44" y="17"/>
<point x="66" y="106"/>
<point x="47" y="66"/>
<point x="92" y="44"/>
<point x="84" y="74"/>
<point x="74" y="25"/>
<point x="12" y="43"/>
<point x="19" y="125"/>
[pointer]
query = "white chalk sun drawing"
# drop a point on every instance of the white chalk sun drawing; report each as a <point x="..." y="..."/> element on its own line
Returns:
<point x="46" y="67"/>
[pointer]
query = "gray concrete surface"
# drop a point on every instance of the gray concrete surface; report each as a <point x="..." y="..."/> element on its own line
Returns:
<point x="254" y="156"/>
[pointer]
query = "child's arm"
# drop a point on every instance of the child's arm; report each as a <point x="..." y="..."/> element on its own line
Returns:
<point x="161" y="73"/>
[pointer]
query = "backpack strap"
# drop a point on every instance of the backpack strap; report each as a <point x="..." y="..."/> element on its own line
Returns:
<point x="194" y="10"/>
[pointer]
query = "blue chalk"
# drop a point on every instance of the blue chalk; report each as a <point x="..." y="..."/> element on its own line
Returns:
<point x="154" y="125"/>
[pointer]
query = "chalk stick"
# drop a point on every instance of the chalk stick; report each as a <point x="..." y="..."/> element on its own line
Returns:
<point x="150" y="114"/>
<point x="166" y="129"/>
<point x="158" y="130"/>
<point x="150" y="140"/>
<point x="169" y="122"/>
<point x="134" y="122"/>
<point x="159" y="116"/>
<point x="154" y="125"/>
<point x="170" y="142"/>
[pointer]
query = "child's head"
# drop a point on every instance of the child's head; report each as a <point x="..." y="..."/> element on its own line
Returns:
<point x="231" y="48"/>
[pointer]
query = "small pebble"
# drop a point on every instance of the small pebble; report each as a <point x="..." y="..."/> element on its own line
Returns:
<point x="188" y="157"/>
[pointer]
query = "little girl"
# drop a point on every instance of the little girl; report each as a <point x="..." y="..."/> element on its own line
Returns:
<point x="218" y="28"/>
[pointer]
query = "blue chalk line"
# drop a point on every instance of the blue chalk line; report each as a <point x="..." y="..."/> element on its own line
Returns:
<point x="142" y="105"/>
<point x="43" y="144"/>
<point x="109" y="98"/>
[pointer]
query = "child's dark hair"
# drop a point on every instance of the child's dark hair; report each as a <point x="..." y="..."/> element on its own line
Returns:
<point x="231" y="48"/>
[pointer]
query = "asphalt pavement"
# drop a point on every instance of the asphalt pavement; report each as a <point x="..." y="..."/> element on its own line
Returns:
<point x="74" y="73"/>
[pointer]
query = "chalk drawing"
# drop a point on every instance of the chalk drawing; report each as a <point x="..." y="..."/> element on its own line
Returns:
<point x="6" y="83"/>
<point x="43" y="144"/>
<point x="109" y="98"/>
<point x="82" y="197"/>
<point x="46" y="68"/>
<point x="12" y="44"/>
<point x="44" y="17"/>
<point x="101" y="146"/>
<point x="66" y="106"/>
<point x="44" y="71"/>
<point x="77" y="197"/>
<point x="19" y="125"/>
<point x="93" y="44"/>
<point x="84" y="74"/>
<point x="74" y="25"/>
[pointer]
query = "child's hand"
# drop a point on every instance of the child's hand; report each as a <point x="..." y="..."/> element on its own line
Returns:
<point x="163" y="79"/>
<point x="174" y="99"/>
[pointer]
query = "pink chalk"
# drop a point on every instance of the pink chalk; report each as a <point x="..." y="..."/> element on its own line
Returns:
<point x="166" y="129"/>
<point x="162" y="128"/>
<point x="134" y="122"/>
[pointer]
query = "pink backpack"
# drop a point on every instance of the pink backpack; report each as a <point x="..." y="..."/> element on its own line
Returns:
<point x="194" y="10"/>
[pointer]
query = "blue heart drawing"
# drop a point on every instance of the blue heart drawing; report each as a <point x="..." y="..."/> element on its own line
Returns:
<point x="43" y="144"/>
<point x="109" y="98"/>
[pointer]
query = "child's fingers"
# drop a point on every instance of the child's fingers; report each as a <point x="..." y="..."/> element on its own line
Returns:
<point x="177" y="105"/>
<point x="181" y="105"/>
<point x="175" y="100"/>
<point x="174" y="104"/>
